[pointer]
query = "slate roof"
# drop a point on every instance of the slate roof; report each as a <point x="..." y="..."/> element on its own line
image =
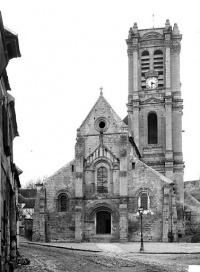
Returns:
<point x="125" y="120"/>
<point x="29" y="202"/>
<point x="27" y="196"/>
<point x="28" y="193"/>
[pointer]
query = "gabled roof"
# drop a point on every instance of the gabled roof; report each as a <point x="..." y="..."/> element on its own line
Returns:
<point x="12" y="43"/>
<point x="125" y="120"/>
<point x="156" y="173"/>
<point x="9" y="48"/>
<point x="102" y="99"/>
<point x="30" y="204"/>
<point x="60" y="170"/>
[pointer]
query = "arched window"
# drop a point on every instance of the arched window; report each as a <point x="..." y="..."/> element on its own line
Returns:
<point x="152" y="129"/>
<point x="144" y="201"/>
<point x="102" y="180"/>
<point x="62" y="202"/>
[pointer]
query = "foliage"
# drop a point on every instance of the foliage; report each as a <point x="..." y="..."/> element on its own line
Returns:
<point x="31" y="184"/>
<point x="192" y="223"/>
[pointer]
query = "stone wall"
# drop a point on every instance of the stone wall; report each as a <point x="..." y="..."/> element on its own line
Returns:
<point x="162" y="209"/>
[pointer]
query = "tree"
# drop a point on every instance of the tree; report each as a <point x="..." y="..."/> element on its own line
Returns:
<point x="31" y="184"/>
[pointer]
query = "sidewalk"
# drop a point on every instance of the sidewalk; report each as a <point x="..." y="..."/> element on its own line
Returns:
<point x="128" y="247"/>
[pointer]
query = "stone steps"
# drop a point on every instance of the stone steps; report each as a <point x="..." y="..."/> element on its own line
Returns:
<point x="104" y="238"/>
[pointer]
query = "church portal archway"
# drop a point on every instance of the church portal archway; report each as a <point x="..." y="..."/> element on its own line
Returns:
<point x="103" y="220"/>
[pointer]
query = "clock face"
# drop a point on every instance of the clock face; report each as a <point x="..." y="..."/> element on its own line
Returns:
<point x="152" y="83"/>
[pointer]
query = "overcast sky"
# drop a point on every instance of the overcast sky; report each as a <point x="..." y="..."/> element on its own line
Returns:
<point x="70" y="48"/>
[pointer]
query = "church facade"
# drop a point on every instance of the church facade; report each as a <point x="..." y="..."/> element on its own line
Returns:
<point x="123" y="165"/>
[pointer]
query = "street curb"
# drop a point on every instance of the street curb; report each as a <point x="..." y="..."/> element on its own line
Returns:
<point x="97" y="251"/>
<point x="167" y="252"/>
<point x="69" y="248"/>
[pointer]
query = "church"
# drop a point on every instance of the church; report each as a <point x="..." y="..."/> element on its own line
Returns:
<point x="123" y="166"/>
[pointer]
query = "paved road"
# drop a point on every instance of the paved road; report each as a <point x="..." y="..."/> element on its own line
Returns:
<point x="130" y="247"/>
<point x="53" y="259"/>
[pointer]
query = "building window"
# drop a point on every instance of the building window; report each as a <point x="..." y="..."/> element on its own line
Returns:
<point x="101" y="124"/>
<point x="152" y="129"/>
<point x="144" y="201"/>
<point x="158" y="66"/>
<point x="102" y="180"/>
<point x="188" y="216"/>
<point x="145" y="67"/>
<point x="62" y="203"/>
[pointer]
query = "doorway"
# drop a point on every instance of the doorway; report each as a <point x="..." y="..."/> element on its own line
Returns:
<point x="103" y="222"/>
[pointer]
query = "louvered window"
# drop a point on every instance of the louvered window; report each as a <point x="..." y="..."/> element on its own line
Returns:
<point x="159" y="66"/>
<point x="145" y="67"/>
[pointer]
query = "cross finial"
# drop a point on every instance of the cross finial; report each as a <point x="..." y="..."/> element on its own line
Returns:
<point x="101" y="90"/>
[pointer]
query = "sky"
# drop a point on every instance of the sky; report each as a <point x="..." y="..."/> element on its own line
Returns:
<point x="71" y="48"/>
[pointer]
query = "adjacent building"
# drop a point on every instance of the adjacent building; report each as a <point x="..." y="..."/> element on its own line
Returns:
<point x="9" y="172"/>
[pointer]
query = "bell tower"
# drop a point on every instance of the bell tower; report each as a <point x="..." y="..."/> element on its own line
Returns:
<point x="154" y="99"/>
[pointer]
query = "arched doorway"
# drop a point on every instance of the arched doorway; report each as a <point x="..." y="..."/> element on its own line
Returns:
<point x="103" y="219"/>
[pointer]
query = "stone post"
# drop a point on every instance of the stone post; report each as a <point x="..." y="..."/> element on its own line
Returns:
<point x="165" y="214"/>
<point x="79" y="220"/>
<point x="79" y="153"/>
<point x="168" y="153"/>
<point x="123" y="219"/>
<point x="123" y="209"/>
<point x="39" y="214"/>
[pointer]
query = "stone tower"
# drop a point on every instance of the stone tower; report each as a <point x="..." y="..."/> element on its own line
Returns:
<point x="154" y="99"/>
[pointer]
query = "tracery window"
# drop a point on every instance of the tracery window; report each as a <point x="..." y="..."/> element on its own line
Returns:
<point x="102" y="180"/>
<point x="152" y="128"/>
<point x="62" y="202"/>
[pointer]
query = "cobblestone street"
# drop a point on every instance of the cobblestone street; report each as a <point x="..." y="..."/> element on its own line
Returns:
<point x="56" y="260"/>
